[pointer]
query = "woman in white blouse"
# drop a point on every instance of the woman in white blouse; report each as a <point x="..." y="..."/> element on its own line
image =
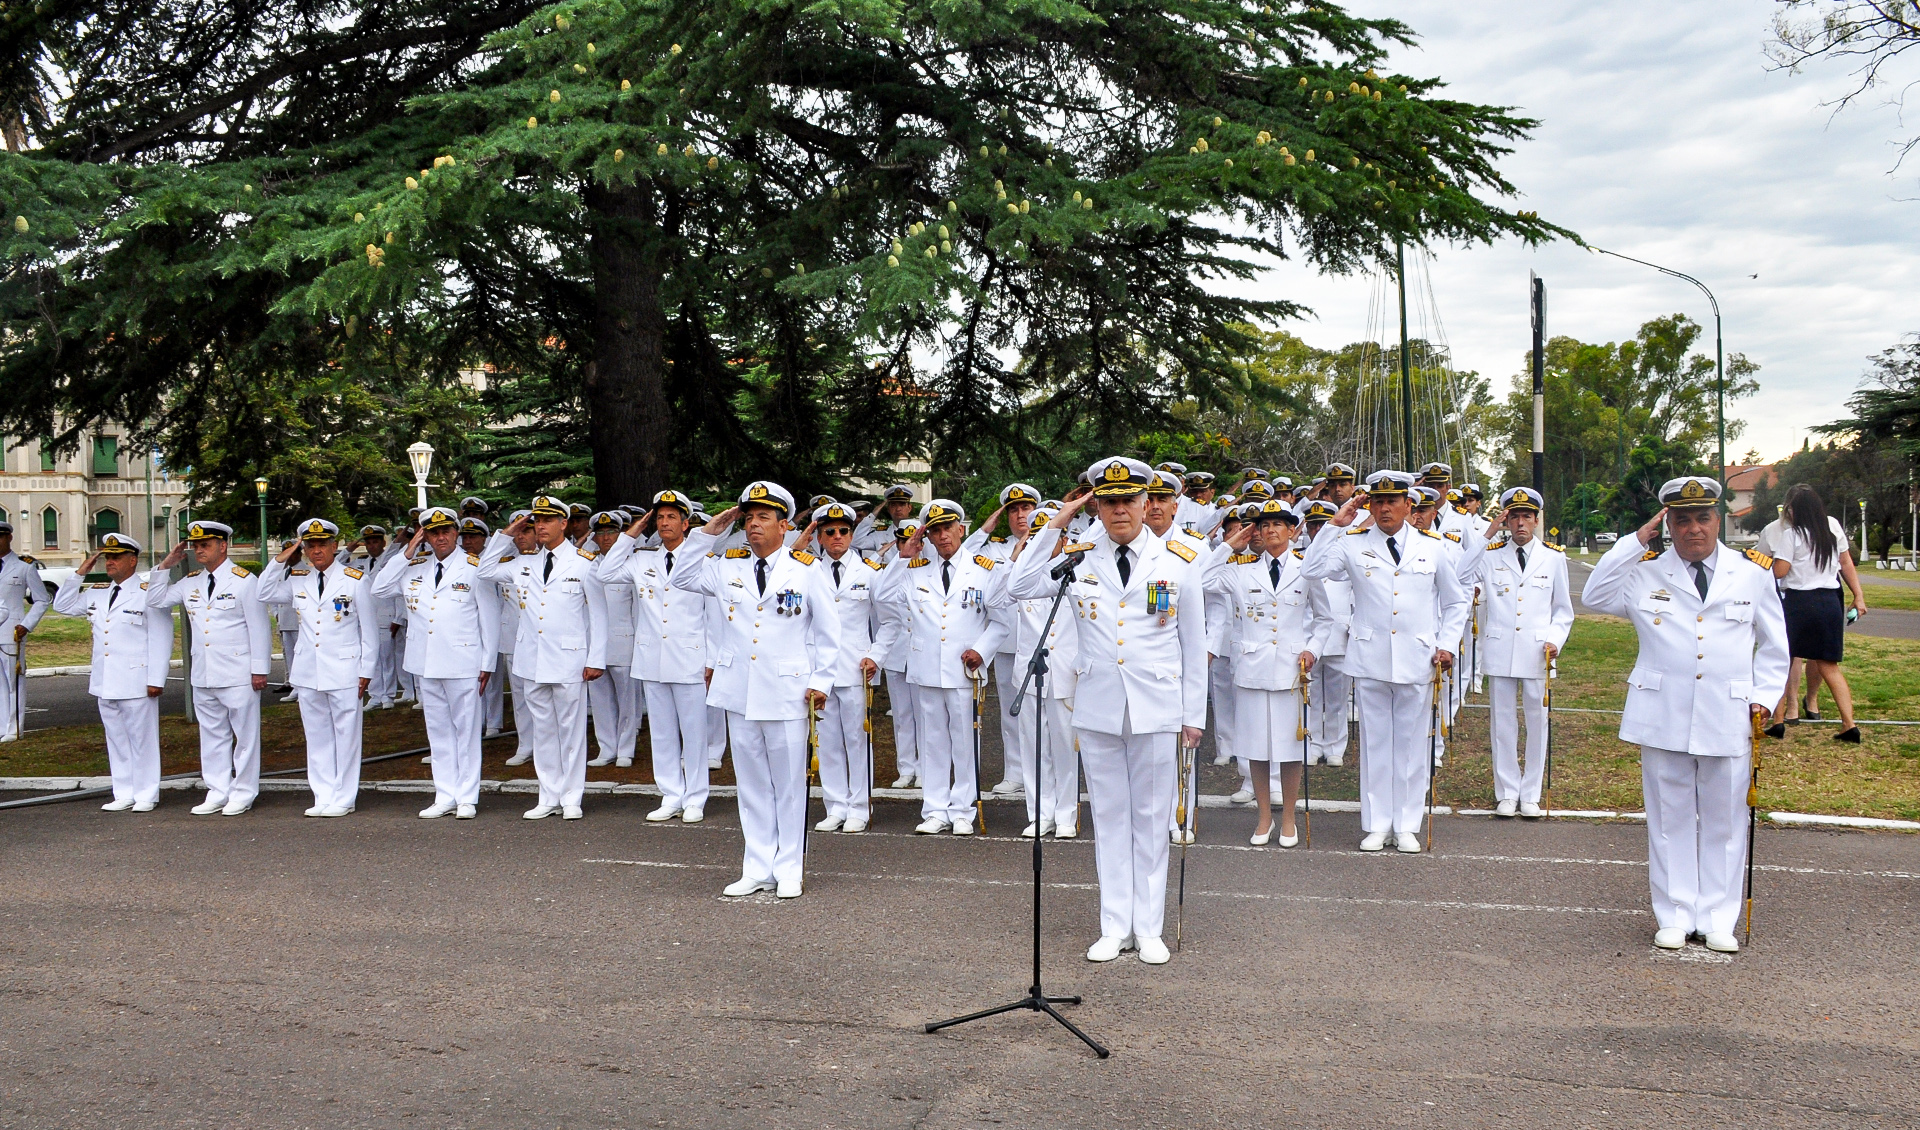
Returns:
<point x="1810" y="559"/>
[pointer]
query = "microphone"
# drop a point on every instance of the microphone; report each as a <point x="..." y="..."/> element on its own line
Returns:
<point x="1068" y="564"/>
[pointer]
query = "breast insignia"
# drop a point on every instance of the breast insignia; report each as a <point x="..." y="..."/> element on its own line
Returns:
<point x="983" y="561"/>
<point x="736" y="554"/>
<point x="1182" y="551"/>
<point x="1758" y="558"/>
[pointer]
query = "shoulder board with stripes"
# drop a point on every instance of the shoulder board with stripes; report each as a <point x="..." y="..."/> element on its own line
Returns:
<point x="352" y="572"/>
<point x="1498" y="543"/>
<point x="241" y="571"/>
<point x="1758" y="558"/>
<point x="506" y="557"/>
<point x="1452" y="537"/>
<point x="197" y="572"/>
<point x="998" y="538"/>
<point x="25" y="559"/>
<point x="875" y="564"/>
<point x="473" y="559"/>
<point x="1181" y="550"/>
<point x="1555" y="546"/>
<point x="917" y="562"/>
<point x="802" y="556"/>
<point x="1355" y="533"/>
<point x="1245" y="558"/>
<point x="736" y="554"/>
<point x="1301" y="554"/>
<point x="1077" y="547"/>
<point x="1431" y="534"/>
<point x="589" y="554"/>
<point x="983" y="561"/>
<point x="298" y="572"/>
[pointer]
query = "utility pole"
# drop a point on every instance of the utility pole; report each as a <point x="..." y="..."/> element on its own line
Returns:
<point x="1719" y="354"/>
<point x="1537" y="299"/>
<point x="1406" y="373"/>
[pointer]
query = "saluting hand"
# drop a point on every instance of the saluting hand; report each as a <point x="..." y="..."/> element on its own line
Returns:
<point x="806" y="536"/>
<point x="519" y="526"/>
<point x="1241" y="537"/>
<point x="174" y="558"/>
<point x="722" y="521"/>
<point x="1647" y="532"/>
<point x="1349" y="508"/>
<point x="291" y="553"/>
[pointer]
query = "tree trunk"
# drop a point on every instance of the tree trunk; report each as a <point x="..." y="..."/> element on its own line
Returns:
<point x="628" y="420"/>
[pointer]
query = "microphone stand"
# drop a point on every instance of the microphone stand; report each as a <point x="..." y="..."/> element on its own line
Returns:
<point x="1036" y="999"/>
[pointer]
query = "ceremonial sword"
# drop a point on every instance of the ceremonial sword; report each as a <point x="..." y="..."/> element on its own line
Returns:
<point x="1306" y="762"/>
<point x="1433" y="731"/>
<point x="1753" y="814"/>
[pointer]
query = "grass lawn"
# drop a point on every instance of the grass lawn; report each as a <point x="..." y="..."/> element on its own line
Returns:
<point x="1592" y="768"/>
<point x="1890" y="590"/>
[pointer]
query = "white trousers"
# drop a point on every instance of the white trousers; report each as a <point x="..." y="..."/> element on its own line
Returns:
<point x="1696" y="837"/>
<point x="1130" y="784"/>
<point x="385" y="684"/>
<point x="1220" y="692"/>
<point x="906" y="724"/>
<point x="409" y="686"/>
<point x="453" y="713"/>
<point x="846" y="772"/>
<point x="1269" y="723"/>
<point x="949" y="787"/>
<point x="13" y="684"/>
<point x="1327" y="701"/>
<point x="1508" y="781"/>
<point x="679" y="734"/>
<point x="1395" y="720"/>
<point x="1052" y="780"/>
<point x="288" y="638"/>
<point x="556" y="713"/>
<point x="332" y="722"/>
<point x="229" y="719"/>
<point x="523" y="730"/>
<point x="1016" y="741"/>
<point x="770" y="762"/>
<point x="613" y="700"/>
<point x="493" y="700"/>
<point x="716" y="735"/>
<point x="132" y="728"/>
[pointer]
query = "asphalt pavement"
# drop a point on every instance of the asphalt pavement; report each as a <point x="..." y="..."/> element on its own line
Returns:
<point x="166" y="970"/>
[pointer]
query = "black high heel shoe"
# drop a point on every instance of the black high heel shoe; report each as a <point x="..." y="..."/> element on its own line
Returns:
<point x="1810" y="710"/>
<point x="1776" y="731"/>
<point x="1850" y="734"/>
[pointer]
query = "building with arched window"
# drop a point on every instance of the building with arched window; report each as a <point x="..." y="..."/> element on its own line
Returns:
<point x="60" y="504"/>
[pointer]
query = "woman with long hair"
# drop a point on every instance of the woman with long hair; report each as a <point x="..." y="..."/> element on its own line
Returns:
<point x="1811" y="559"/>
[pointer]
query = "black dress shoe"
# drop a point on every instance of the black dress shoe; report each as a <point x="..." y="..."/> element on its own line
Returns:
<point x="1777" y="730"/>
<point x="1850" y="734"/>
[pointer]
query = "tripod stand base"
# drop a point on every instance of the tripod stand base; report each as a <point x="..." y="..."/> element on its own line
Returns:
<point x="1034" y="1001"/>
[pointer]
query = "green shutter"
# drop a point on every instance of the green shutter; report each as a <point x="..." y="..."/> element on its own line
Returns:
<point x="46" y="454"/>
<point x="106" y="455"/>
<point x="50" y="528"/>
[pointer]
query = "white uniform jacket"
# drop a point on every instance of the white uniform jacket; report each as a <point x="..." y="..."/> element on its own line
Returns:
<point x="228" y="630"/>
<point x="1029" y="616"/>
<point x="1142" y="647"/>
<point x="132" y="640"/>
<point x="669" y="625"/>
<point x="853" y="603"/>
<point x="453" y="626"/>
<point x="20" y="583"/>
<point x="1525" y="609"/>
<point x="622" y="617"/>
<point x="1268" y="626"/>
<point x="772" y="647"/>
<point x="1702" y="662"/>
<point x="560" y="608"/>
<point x="340" y="624"/>
<point x="1402" y="613"/>
<point x="945" y="621"/>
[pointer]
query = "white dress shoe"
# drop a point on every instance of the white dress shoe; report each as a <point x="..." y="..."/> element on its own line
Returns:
<point x="144" y="806"/>
<point x="1506" y="808"/>
<point x="662" y="814"/>
<point x="1222" y="758"/>
<point x="830" y="824"/>
<point x="1030" y="831"/>
<point x="437" y="809"/>
<point x="419" y="706"/>
<point x="493" y="732"/>
<point x="207" y="807"/>
<point x="520" y="759"/>
<point x="1008" y="788"/>
<point x="854" y="825"/>
<point x="1407" y="843"/>
<point x="427" y="760"/>
<point x="713" y="766"/>
<point x="116" y="806"/>
<point x="572" y="812"/>
<point x="1670" y="938"/>
<point x="237" y="808"/>
<point x="693" y="815"/>
<point x="1046" y="827"/>
<point x="540" y="812"/>
<point x="1108" y="948"/>
<point x="932" y="826"/>
<point x="1241" y="796"/>
<point x="742" y="887"/>
<point x="1153" y="951"/>
<point x="963" y="827"/>
<point x="603" y="759"/>
<point x="1373" y="841"/>
<point x="1530" y="811"/>
<point x="1258" y="839"/>
<point x="1181" y="836"/>
<point x="903" y="782"/>
<point x="1289" y="841"/>
<point x="788" y="889"/>
<point x="336" y="811"/>
<point x="1066" y="831"/>
<point x="466" y="812"/>
<point x="1723" y="943"/>
<point x="314" y="811"/>
<point x="623" y="763"/>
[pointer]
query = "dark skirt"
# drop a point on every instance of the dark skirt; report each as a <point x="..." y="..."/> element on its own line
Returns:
<point x="1816" y="623"/>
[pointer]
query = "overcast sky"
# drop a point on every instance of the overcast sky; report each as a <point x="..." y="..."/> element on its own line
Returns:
<point x="1665" y="135"/>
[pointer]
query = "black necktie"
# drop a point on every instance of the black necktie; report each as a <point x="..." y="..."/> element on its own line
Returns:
<point x="1700" y="579"/>
<point x="320" y="582"/>
<point x="1273" y="572"/>
<point x="1522" y="553"/>
<point x="1121" y="563"/>
<point x="946" y="576"/>
<point x="669" y="562"/>
<point x="113" y="596"/>
<point x="760" y="575"/>
<point x="836" y="574"/>
<point x="209" y="586"/>
<point x="1394" y="549"/>
<point x="546" y="571"/>
<point x="437" y="567"/>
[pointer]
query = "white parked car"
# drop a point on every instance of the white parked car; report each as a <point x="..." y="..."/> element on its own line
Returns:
<point x="1607" y="538"/>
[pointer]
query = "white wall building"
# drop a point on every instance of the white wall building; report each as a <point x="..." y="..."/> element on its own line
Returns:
<point x="60" y="504"/>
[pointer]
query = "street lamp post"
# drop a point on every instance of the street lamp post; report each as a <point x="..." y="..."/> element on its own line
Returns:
<point x="1863" y="531"/>
<point x="1719" y="362"/>
<point x="260" y="489"/>
<point x="420" y="455"/>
